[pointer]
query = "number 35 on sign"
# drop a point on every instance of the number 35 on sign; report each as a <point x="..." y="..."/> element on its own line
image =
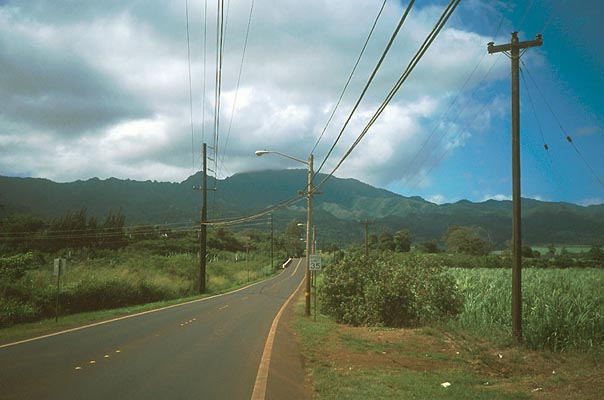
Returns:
<point x="315" y="262"/>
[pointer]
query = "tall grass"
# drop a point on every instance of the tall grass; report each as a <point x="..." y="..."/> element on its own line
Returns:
<point x="120" y="279"/>
<point x="562" y="309"/>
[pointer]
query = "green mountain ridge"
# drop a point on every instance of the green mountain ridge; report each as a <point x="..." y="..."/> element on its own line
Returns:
<point x="337" y="211"/>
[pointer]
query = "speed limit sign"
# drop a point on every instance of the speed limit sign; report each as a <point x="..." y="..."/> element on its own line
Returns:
<point x="315" y="262"/>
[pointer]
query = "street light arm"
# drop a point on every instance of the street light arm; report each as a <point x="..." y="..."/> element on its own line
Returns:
<point x="263" y="152"/>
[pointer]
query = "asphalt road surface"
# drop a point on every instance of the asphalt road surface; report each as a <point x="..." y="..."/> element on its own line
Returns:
<point x="208" y="349"/>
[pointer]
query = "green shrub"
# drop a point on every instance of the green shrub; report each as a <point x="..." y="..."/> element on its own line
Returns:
<point x="14" y="267"/>
<point x="13" y="312"/>
<point x="409" y="292"/>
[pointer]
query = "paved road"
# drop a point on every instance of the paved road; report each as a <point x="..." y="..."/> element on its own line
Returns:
<point x="209" y="349"/>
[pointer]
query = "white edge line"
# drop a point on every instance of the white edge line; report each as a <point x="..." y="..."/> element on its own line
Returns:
<point x="128" y="316"/>
<point x="259" y="392"/>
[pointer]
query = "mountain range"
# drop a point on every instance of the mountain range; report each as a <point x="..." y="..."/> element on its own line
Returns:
<point x="337" y="210"/>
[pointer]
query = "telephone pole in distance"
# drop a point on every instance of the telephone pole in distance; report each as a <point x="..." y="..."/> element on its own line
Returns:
<point x="366" y="223"/>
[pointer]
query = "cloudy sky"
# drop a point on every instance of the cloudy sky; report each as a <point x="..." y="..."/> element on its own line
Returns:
<point x="101" y="89"/>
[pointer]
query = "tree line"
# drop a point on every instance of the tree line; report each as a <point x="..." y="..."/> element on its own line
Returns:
<point x="75" y="229"/>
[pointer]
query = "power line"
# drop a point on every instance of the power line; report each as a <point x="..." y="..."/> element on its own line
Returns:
<point x="425" y="159"/>
<point x="562" y="130"/>
<point x="545" y="146"/>
<point x="444" y="115"/>
<point x="203" y="97"/>
<point x="239" y="220"/>
<point x="190" y="87"/>
<point x="526" y="13"/>
<point x="412" y="64"/>
<point x="100" y="229"/>
<point x="350" y="76"/>
<point x="218" y="78"/>
<point x="449" y="108"/>
<point x="375" y="70"/>
<point x="247" y="33"/>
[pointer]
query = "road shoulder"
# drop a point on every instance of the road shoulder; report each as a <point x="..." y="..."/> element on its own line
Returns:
<point x="287" y="377"/>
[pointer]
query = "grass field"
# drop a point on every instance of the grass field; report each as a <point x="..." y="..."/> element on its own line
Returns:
<point x="563" y="309"/>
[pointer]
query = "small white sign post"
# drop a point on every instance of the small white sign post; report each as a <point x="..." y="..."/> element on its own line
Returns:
<point x="315" y="265"/>
<point x="60" y="268"/>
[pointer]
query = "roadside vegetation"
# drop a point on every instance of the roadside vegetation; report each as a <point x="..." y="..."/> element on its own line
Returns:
<point x="388" y="291"/>
<point x="109" y="265"/>
<point x="383" y="332"/>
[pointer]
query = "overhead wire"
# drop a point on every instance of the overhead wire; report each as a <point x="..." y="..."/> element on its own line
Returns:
<point x="100" y="229"/>
<point x="410" y="67"/>
<point x="545" y="145"/>
<point x="442" y="119"/>
<point x="247" y="33"/>
<point x="335" y="108"/>
<point x="217" y="98"/>
<point x="526" y="13"/>
<point x="369" y="81"/>
<point x="562" y="130"/>
<point x="235" y="221"/>
<point x="104" y="233"/>
<point x="218" y="78"/>
<point x="190" y="86"/>
<point x="438" y="125"/>
<point x="88" y="234"/>
<point x="203" y="97"/>
<point x="425" y="159"/>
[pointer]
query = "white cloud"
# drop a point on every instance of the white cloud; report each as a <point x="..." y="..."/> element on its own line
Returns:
<point x="591" y="201"/>
<point x="498" y="197"/>
<point x="439" y="199"/>
<point x="102" y="89"/>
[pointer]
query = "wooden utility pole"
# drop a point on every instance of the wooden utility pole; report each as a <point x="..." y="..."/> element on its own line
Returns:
<point x="204" y="228"/>
<point x="272" y="234"/>
<point x="366" y="223"/>
<point x="513" y="51"/>
<point x="308" y="227"/>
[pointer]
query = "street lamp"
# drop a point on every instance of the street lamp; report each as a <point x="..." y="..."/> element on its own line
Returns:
<point x="309" y="163"/>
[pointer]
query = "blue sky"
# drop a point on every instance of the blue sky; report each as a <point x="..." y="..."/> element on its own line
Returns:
<point x="101" y="89"/>
<point x="567" y="71"/>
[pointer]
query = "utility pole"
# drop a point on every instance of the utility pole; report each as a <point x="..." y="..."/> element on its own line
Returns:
<point x="272" y="266"/>
<point x="513" y="51"/>
<point x="366" y="223"/>
<point x="204" y="231"/>
<point x="308" y="244"/>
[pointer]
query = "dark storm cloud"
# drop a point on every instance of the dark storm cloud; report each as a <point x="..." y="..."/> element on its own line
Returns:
<point x="57" y="91"/>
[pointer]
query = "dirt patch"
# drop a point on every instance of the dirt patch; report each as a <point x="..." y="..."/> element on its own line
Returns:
<point x="353" y="347"/>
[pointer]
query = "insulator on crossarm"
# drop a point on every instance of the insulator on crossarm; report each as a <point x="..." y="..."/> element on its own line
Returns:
<point x="570" y="140"/>
<point x="546" y="147"/>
